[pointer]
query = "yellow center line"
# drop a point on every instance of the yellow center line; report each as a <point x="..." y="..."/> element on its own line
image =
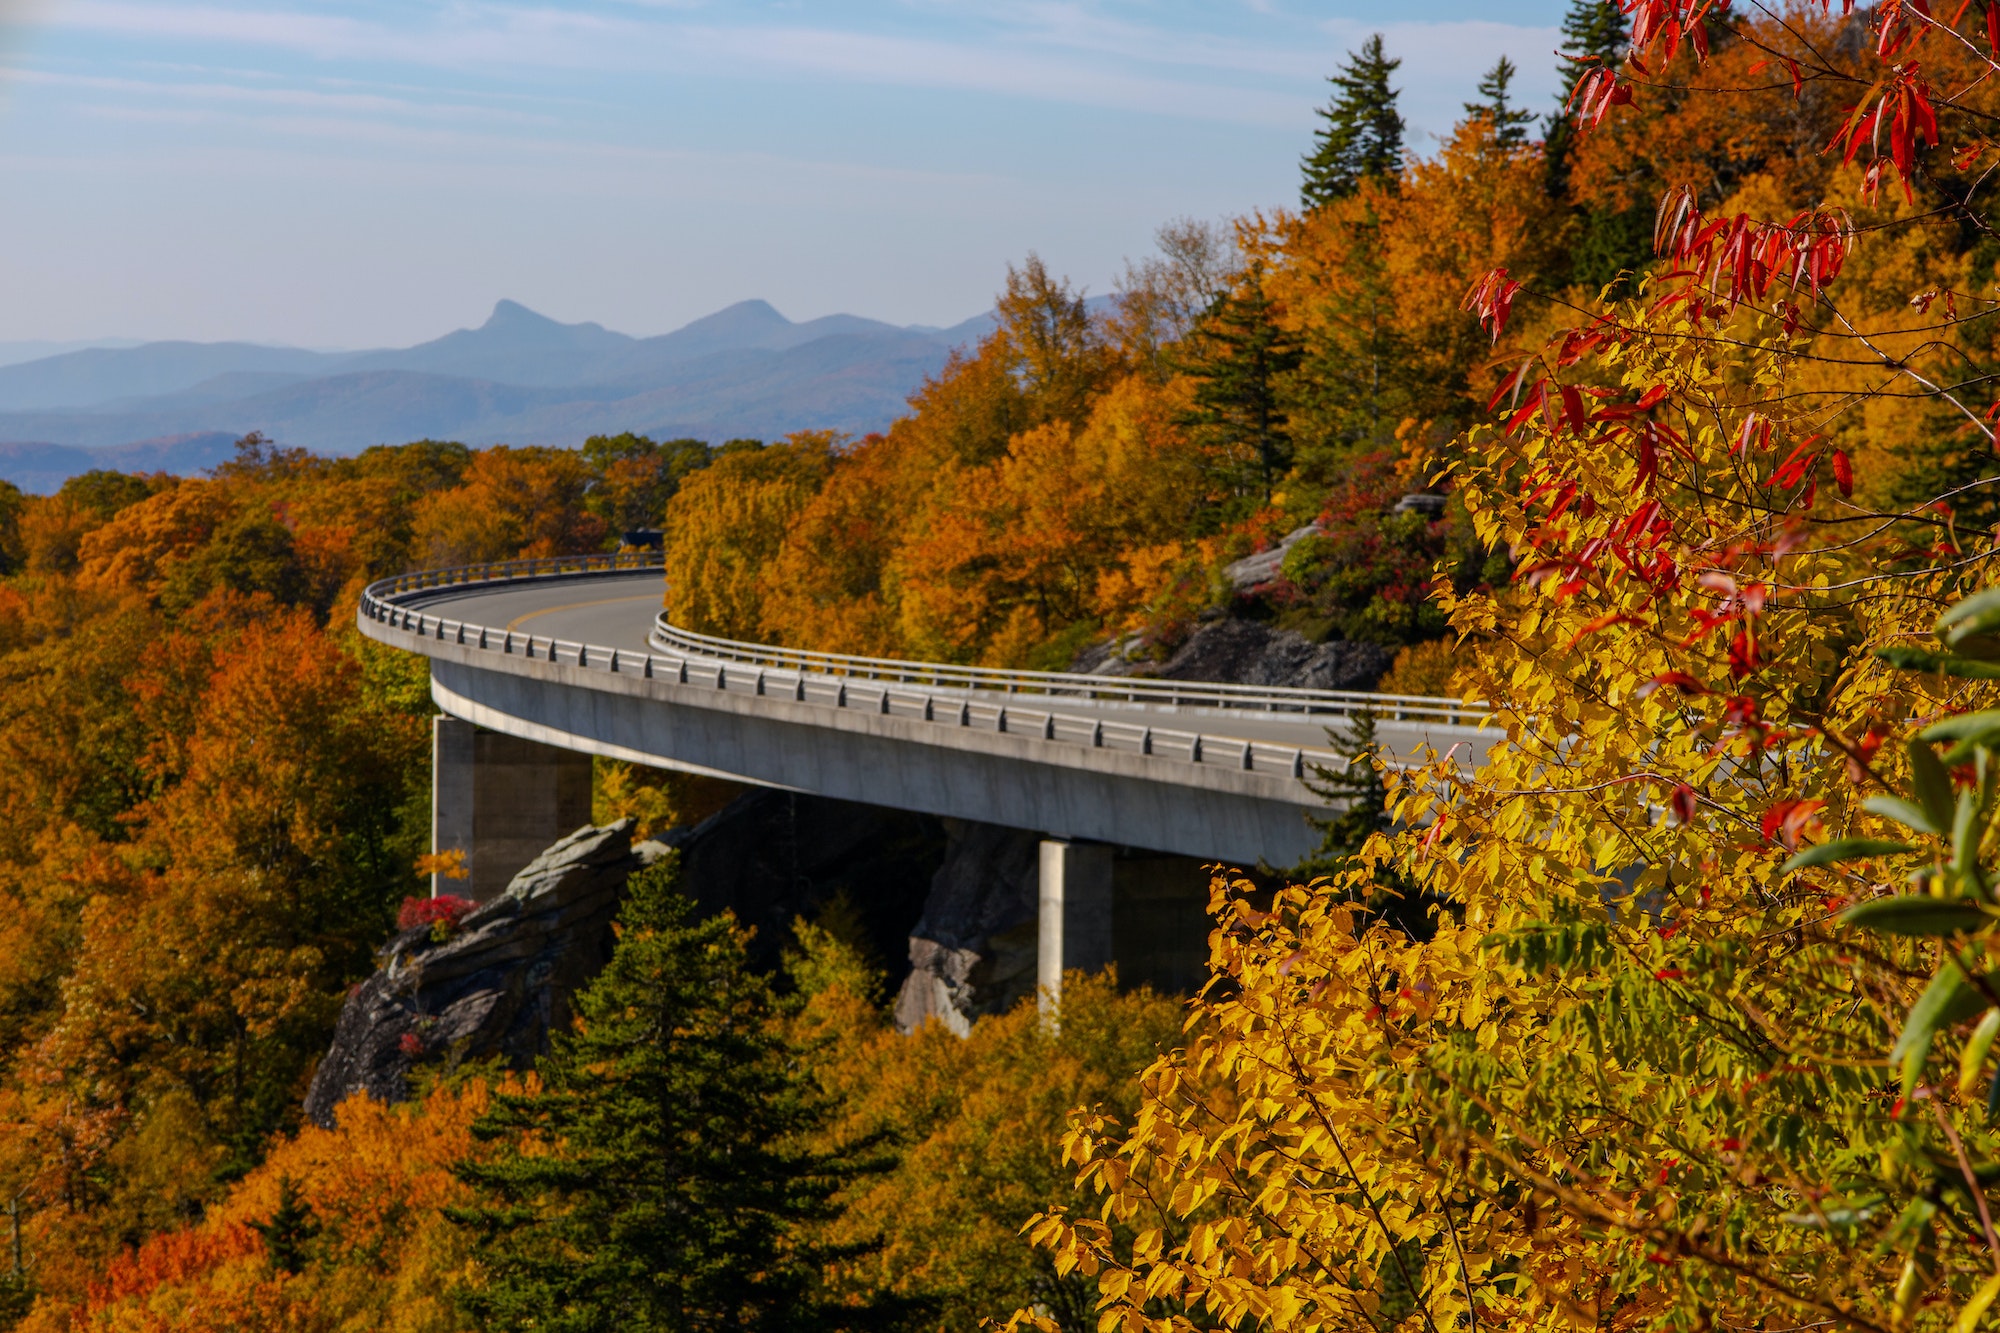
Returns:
<point x="519" y="621"/>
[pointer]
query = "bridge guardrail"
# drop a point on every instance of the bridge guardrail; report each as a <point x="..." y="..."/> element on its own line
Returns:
<point x="1120" y="689"/>
<point x="863" y="683"/>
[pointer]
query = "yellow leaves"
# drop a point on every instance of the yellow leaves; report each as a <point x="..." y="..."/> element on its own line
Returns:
<point x="727" y="523"/>
<point x="448" y="864"/>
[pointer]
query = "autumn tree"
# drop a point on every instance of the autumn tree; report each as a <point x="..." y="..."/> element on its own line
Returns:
<point x="1161" y="297"/>
<point x="826" y="587"/>
<point x="1009" y="562"/>
<point x="636" y="476"/>
<point x="1362" y="138"/>
<point x="1368" y="287"/>
<point x="1054" y="346"/>
<point x="1691" y="1045"/>
<point x="977" y="1120"/>
<point x="370" y="1195"/>
<point x="510" y="502"/>
<point x="728" y="521"/>
<point x="208" y="961"/>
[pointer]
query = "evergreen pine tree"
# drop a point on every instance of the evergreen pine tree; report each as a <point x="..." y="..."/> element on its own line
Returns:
<point x="659" y="1180"/>
<point x="1239" y="359"/>
<point x="1358" y="800"/>
<point x="1355" y="793"/>
<point x="1593" y="31"/>
<point x="1363" y="134"/>
<point x="1609" y="241"/>
<point x="290" y="1230"/>
<point x="1510" y="125"/>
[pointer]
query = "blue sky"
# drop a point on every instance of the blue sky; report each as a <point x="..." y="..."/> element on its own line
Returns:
<point x="366" y="173"/>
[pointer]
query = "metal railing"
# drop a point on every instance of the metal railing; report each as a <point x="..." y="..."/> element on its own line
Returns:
<point x="869" y="684"/>
<point x="1118" y="689"/>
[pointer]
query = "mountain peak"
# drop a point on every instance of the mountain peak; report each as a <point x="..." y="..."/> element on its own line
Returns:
<point x="744" y="315"/>
<point x="513" y="315"/>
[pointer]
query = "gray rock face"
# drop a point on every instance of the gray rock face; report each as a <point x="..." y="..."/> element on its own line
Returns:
<point x="973" y="951"/>
<point x="1255" y="570"/>
<point x="1250" y="652"/>
<point x="497" y="985"/>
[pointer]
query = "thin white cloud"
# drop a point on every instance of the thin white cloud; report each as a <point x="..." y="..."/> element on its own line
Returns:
<point x="1045" y="51"/>
<point x="227" y="93"/>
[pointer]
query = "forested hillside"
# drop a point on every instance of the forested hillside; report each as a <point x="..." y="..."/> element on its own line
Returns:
<point x="1708" y="409"/>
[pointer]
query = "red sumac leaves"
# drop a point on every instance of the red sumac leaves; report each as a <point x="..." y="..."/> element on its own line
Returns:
<point x="1492" y="299"/>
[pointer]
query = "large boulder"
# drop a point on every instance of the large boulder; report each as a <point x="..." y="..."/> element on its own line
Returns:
<point x="973" y="951"/>
<point x="495" y="984"/>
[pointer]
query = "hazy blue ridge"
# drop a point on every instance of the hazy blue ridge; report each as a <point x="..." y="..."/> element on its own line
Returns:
<point x="520" y="378"/>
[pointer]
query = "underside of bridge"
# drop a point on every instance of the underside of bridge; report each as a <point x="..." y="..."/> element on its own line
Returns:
<point x="498" y="800"/>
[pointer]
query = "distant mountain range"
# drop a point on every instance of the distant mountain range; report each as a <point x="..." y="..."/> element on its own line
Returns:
<point x="519" y="378"/>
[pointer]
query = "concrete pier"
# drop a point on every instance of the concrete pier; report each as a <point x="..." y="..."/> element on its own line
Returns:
<point x="1075" y="914"/>
<point x="500" y="800"/>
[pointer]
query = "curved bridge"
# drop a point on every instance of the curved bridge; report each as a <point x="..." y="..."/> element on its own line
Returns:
<point x="573" y="653"/>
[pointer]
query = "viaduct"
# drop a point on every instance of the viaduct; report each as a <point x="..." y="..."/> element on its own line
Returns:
<point x="540" y="664"/>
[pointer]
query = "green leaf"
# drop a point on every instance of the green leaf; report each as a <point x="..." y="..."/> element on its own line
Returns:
<point x="1977" y="614"/>
<point x="1900" y="810"/>
<point x="1853" y="1215"/>
<point x="1968" y="629"/>
<point x="1933" y="784"/>
<point x="1975" y="1309"/>
<point x="1916" y="914"/>
<point x="1965" y="831"/>
<point x="1973" y="1058"/>
<point x="1948" y="999"/>
<point x="1843" y="849"/>
<point x="1964" y="726"/>
<point x="1919" y="659"/>
<point x="1968" y="749"/>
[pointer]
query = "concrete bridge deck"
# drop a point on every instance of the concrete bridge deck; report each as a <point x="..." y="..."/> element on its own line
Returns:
<point x="574" y="654"/>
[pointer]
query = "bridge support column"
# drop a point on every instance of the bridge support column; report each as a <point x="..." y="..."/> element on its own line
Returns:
<point x="500" y="801"/>
<point x="1075" y="913"/>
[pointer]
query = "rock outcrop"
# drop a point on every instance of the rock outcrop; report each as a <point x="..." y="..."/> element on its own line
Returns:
<point x="1250" y="652"/>
<point x="496" y="984"/>
<point x="973" y="951"/>
<point x="1253" y="571"/>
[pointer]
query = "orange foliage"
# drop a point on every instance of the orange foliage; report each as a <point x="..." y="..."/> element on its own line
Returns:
<point x="1001" y="556"/>
<point x="138" y="548"/>
<point x="823" y="588"/>
<point x="383" y="1256"/>
<point x="512" y="502"/>
<point x="203" y="978"/>
<point x="50" y="530"/>
<point x="1370" y="286"/>
<point x="209" y="806"/>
